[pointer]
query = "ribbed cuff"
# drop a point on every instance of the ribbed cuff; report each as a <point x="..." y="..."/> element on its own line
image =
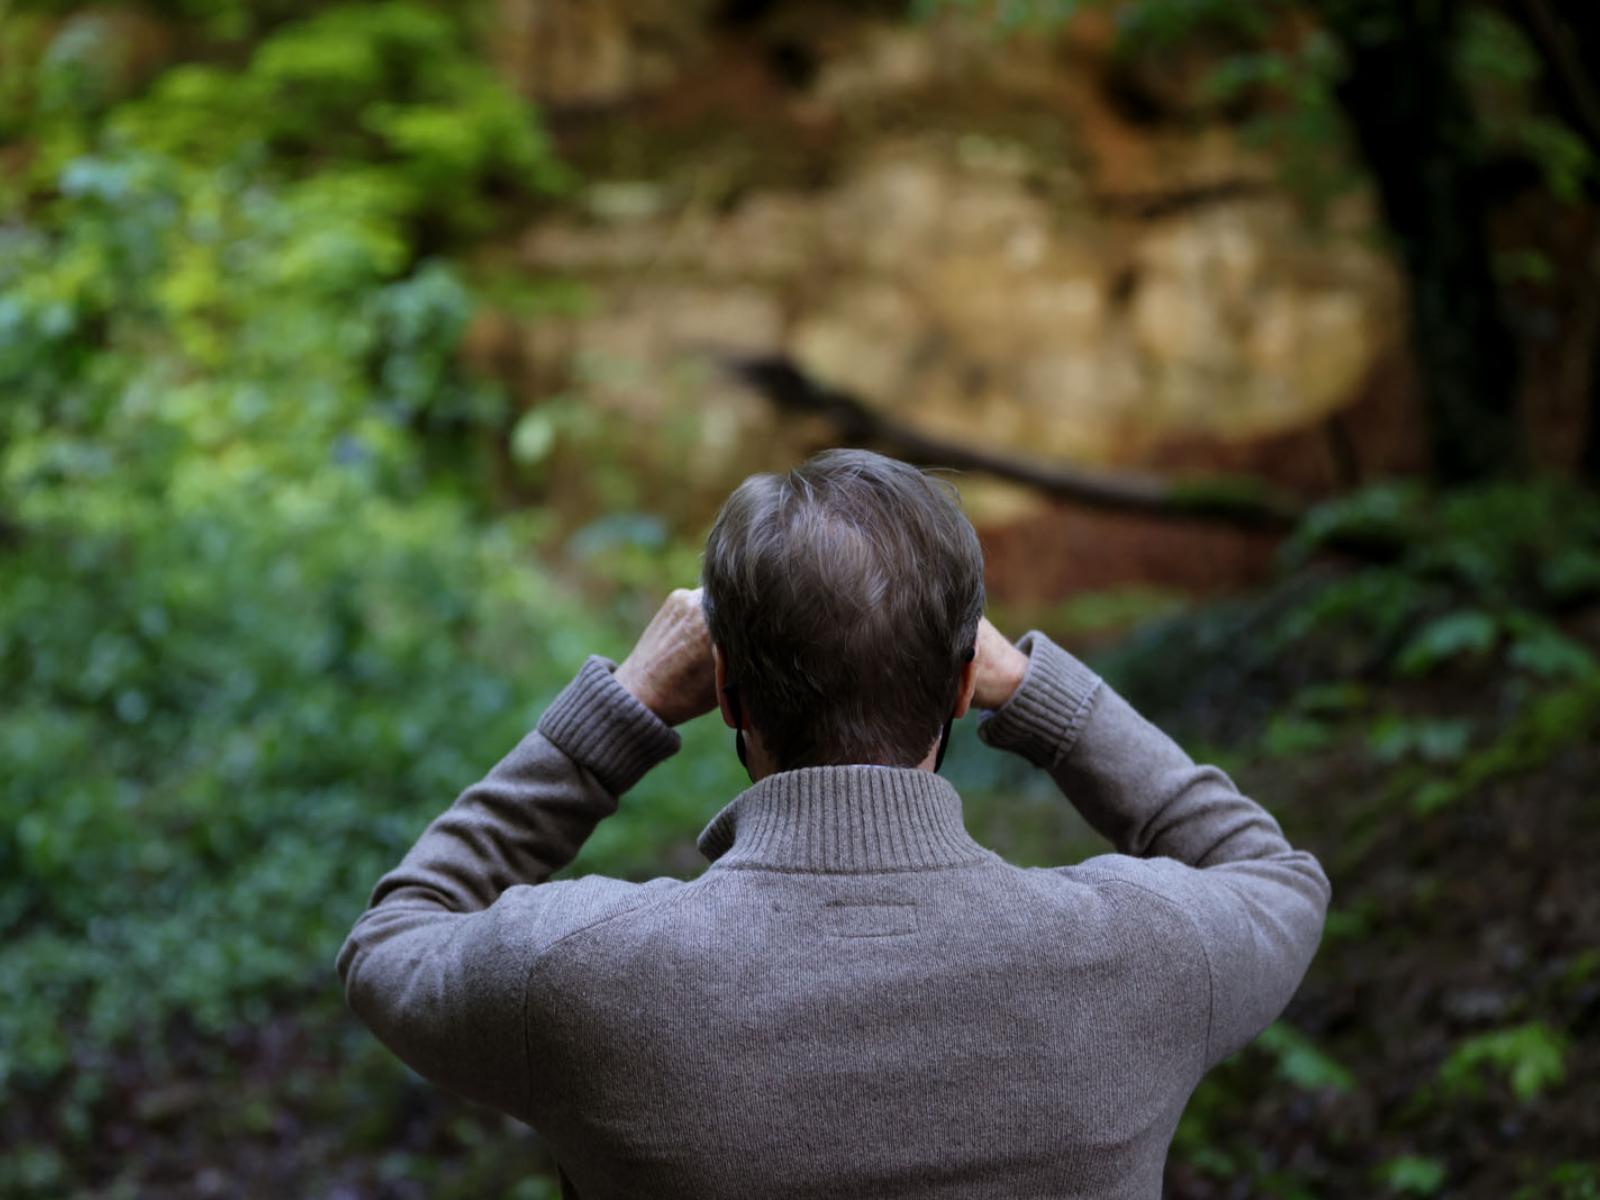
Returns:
<point x="598" y="723"/>
<point x="1044" y="716"/>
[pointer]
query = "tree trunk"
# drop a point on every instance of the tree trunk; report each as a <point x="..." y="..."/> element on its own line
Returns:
<point x="1417" y="133"/>
<point x="1589" y="461"/>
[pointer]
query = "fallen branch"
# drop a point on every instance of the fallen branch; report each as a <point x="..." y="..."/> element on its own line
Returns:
<point x="1153" y="205"/>
<point x="1241" y="502"/>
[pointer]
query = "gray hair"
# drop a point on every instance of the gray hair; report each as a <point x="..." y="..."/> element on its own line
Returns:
<point x="844" y="596"/>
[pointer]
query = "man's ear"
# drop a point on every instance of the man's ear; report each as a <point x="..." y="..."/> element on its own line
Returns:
<point x="969" y="684"/>
<point x="722" y="682"/>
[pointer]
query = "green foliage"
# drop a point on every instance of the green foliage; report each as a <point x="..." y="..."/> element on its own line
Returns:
<point x="386" y="98"/>
<point x="1350" y="924"/>
<point x="1545" y="725"/>
<point x="1544" y="652"/>
<point x="1384" y="516"/>
<point x="1229" y="494"/>
<point x="1288" y="735"/>
<point x="1456" y="635"/>
<point x="1466" y="585"/>
<point x="1565" y="1181"/>
<point x="1442" y="652"/>
<point x="1300" y="1062"/>
<point x="1088" y="613"/>
<point x="1207" y="1138"/>
<point x="1285" y="83"/>
<point x="256" y="624"/>
<point x="1156" y="23"/>
<point x="224" y="709"/>
<point x="1009" y="16"/>
<point x="1276" y="58"/>
<point x="244" y="645"/>
<point x="1531" y="1058"/>
<point x="1313" y="720"/>
<point x="1294" y="116"/>
<point x="1503" y="71"/>
<point x="1457" y="602"/>
<point x="1412" y="1175"/>
<point x="1395" y="738"/>
<point x="1333" y="699"/>
<point x="1455" y="574"/>
<point x="1198" y="1141"/>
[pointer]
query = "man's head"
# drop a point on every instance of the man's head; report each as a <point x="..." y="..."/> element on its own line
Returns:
<point x="843" y="597"/>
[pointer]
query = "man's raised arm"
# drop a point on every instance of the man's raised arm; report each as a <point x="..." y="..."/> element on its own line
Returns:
<point x="1256" y="902"/>
<point x="438" y="964"/>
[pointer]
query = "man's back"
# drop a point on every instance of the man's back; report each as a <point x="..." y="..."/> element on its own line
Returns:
<point x="855" y="998"/>
<point x="965" y="1029"/>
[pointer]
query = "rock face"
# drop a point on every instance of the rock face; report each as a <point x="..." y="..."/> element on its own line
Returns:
<point x="579" y="52"/>
<point x="965" y="232"/>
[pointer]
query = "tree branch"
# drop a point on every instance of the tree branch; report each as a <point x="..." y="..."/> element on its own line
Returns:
<point x="1241" y="502"/>
<point x="1149" y="206"/>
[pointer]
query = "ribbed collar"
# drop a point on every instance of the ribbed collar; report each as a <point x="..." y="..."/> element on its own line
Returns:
<point x="843" y="819"/>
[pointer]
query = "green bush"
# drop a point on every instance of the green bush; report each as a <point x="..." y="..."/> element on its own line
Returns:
<point x="390" y="94"/>
<point x="254" y="630"/>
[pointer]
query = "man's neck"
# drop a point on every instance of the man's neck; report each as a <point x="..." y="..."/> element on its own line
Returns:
<point x="761" y="765"/>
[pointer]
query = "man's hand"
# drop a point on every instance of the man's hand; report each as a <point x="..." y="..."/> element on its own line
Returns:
<point x="1000" y="665"/>
<point x="670" y="670"/>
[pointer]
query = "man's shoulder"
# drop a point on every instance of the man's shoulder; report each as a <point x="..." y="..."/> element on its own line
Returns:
<point x="1152" y="892"/>
<point x="1142" y="915"/>
<point x="543" y="916"/>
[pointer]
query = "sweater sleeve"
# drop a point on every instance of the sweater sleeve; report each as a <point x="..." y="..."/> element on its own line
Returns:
<point x="437" y="966"/>
<point x="1182" y="830"/>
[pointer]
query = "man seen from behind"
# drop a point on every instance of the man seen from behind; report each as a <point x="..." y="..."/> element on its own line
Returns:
<point x="855" y="998"/>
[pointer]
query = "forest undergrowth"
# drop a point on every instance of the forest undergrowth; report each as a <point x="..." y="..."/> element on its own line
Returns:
<point x="1425" y="723"/>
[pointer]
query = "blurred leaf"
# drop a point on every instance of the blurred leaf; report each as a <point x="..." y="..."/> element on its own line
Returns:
<point x="1393" y="737"/>
<point x="1301" y="1063"/>
<point x="1333" y="699"/>
<point x="1288" y="735"/>
<point x="1571" y="574"/>
<point x="1540" y="649"/>
<point x="533" y="436"/>
<point x="1434" y="795"/>
<point x="617" y="530"/>
<point x="1467" y="632"/>
<point x="1412" y="1175"/>
<point x="1531" y="1058"/>
<point x="1388" y="514"/>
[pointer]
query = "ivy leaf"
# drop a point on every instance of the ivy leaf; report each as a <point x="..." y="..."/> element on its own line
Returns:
<point x="1412" y="1175"/>
<point x="1550" y="654"/>
<point x="1301" y="1062"/>
<point x="1531" y="1057"/>
<point x="1467" y="632"/>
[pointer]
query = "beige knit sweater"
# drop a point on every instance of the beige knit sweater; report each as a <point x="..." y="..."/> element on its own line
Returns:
<point x="855" y="998"/>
